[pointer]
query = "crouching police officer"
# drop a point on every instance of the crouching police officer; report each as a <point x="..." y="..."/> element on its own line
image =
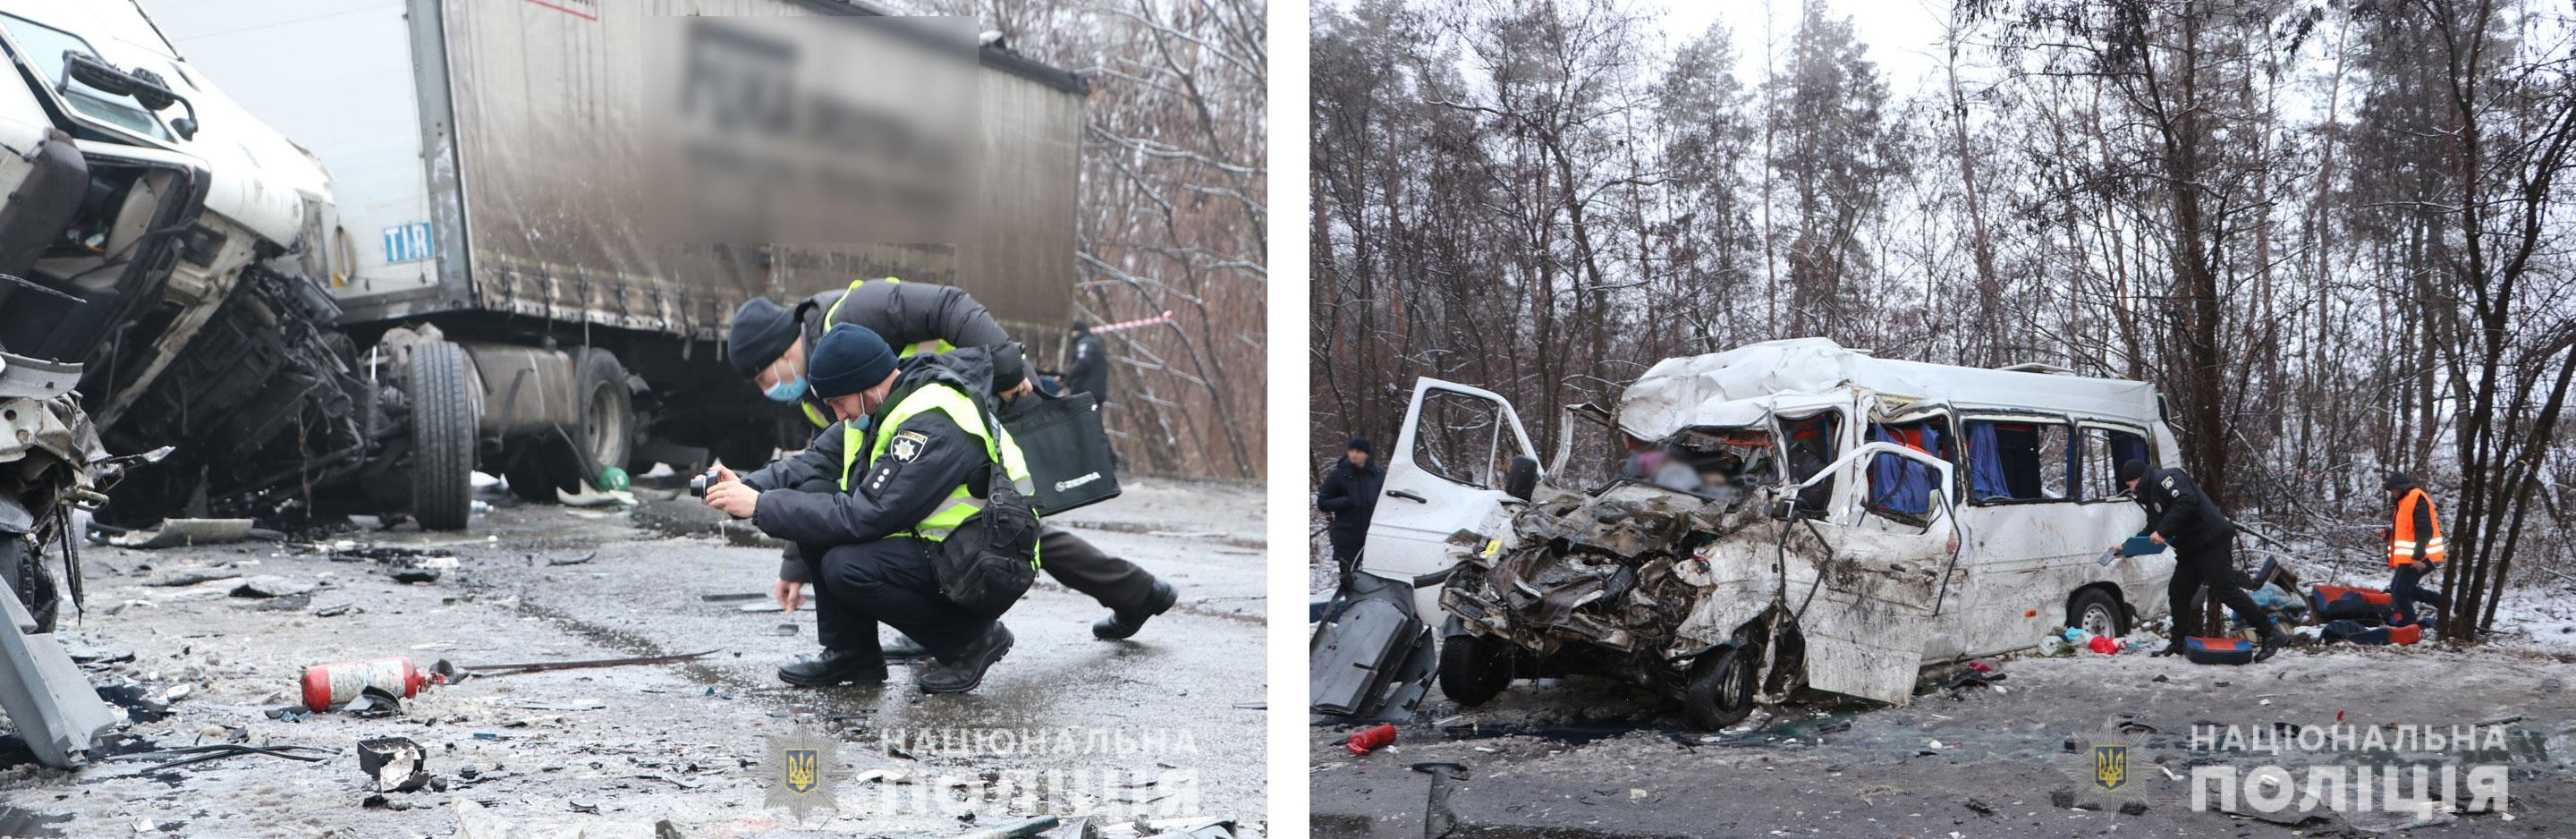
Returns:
<point x="908" y="461"/>
<point x="770" y="344"/>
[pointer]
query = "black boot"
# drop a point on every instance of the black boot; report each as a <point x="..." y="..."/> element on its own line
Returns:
<point x="834" y="668"/>
<point x="903" y="648"/>
<point x="2175" y="648"/>
<point x="965" y="670"/>
<point x="1123" y="624"/>
<point x="2273" y="641"/>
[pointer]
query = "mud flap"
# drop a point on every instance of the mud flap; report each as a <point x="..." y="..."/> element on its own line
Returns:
<point x="1372" y="655"/>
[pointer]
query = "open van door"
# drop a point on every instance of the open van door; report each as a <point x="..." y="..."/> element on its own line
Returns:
<point x="1445" y="474"/>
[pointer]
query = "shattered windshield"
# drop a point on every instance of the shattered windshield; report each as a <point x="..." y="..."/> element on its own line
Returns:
<point x="45" y="47"/>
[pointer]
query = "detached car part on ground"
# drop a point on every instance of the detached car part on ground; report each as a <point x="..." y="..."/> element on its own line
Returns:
<point x="1858" y="538"/>
<point x="50" y="465"/>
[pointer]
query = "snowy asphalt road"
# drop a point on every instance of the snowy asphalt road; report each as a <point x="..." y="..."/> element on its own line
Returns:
<point x="1066" y="724"/>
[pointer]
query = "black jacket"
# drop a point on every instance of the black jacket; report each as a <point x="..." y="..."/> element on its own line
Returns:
<point x="2177" y="508"/>
<point x="905" y="314"/>
<point x="1089" y="371"/>
<point x="1350" y="494"/>
<point x="931" y="457"/>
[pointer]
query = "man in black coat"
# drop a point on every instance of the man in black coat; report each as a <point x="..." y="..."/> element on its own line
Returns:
<point x="1089" y="370"/>
<point x="2179" y="514"/>
<point x="1349" y="493"/>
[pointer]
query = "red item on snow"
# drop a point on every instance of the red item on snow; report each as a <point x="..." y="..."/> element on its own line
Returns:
<point x="330" y="685"/>
<point x="1370" y="739"/>
<point x="2105" y="645"/>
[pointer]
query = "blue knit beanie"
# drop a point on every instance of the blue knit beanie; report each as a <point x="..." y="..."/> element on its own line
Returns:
<point x="849" y="359"/>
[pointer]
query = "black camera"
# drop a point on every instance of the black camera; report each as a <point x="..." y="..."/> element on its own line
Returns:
<point x="698" y="485"/>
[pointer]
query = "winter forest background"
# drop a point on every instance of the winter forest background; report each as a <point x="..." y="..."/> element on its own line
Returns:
<point x="2336" y="235"/>
<point x="1175" y="215"/>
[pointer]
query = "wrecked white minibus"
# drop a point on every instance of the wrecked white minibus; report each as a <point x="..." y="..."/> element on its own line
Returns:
<point x="1791" y="514"/>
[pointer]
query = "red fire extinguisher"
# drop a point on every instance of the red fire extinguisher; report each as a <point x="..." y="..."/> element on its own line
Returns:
<point x="333" y="684"/>
<point x="1369" y="739"/>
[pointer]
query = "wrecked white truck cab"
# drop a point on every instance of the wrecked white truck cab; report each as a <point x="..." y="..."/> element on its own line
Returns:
<point x="1791" y="514"/>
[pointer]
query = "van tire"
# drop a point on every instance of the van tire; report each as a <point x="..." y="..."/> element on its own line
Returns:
<point x="443" y="434"/>
<point x="1722" y="687"/>
<point x="24" y="562"/>
<point x="2094" y="606"/>
<point x="1474" y="668"/>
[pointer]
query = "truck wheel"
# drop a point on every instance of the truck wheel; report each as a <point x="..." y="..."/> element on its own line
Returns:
<point x="2096" y="611"/>
<point x="607" y="435"/>
<point x="443" y="429"/>
<point x="34" y="583"/>
<point x="1721" y="688"/>
<point x="1474" y="668"/>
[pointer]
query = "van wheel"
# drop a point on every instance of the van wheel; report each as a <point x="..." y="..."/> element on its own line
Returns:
<point x="2096" y="611"/>
<point x="1721" y="688"/>
<point x="1474" y="668"/>
<point x="25" y="564"/>
<point x="443" y="428"/>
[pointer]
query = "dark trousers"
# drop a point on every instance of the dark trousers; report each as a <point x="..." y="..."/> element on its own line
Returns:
<point x="2213" y="566"/>
<point x="2407" y="586"/>
<point x="888" y="581"/>
<point x="1084" y="567"/>
<point x="1071" y="560"/>
<point x="1346" y="552"/>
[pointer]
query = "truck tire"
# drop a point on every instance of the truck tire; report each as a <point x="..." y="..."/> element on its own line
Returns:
<point x="2096" y="611"/>
<point x="607" y="435"/>
<point x="444" y="428"/>
<point x="1721" y="688"/>
<point x="34" y="583"/>
<point x="1474" y="668"/>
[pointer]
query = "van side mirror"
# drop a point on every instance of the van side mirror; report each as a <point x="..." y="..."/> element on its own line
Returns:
<point x="1522" y="480"/>
<point x="99" y="75"/>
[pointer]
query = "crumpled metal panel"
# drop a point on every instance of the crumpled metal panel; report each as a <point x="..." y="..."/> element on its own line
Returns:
<point x="55" y="427"/>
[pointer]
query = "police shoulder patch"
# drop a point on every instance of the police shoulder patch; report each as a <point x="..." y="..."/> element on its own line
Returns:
<point x="907" y="445"/>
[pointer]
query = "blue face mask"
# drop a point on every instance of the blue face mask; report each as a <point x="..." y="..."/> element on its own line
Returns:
<point x="787" y="391"/>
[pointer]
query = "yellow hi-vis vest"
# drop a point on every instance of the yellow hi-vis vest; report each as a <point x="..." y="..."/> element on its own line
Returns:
<point x="2404" y="543"/>
<point x="961" y="501"/>
<point x="831" y="318"/>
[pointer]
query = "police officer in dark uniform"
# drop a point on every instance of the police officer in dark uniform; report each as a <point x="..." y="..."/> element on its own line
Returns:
<point x="2181" y="515"/>
<point x="1089" y="370"/>
<point x="907" y="462"/>
<point x="768" y="344"/>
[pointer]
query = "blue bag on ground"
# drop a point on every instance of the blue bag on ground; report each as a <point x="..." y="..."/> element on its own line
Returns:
<point x="2218" y="650"/>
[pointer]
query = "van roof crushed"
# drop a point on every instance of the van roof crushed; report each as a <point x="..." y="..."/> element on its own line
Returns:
<point x="1798" y="376"/>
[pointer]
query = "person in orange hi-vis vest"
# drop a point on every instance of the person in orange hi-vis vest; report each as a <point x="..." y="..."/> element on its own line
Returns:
<point x="2415" y="547"/>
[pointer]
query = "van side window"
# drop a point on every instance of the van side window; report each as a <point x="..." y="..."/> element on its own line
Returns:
<point x="1904" y="487"/>
<point x="1463" y="439"/>
<point x="1812" y="445"/>
<point x="2103" y="450"/>
<point x="2017" y="460"/>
